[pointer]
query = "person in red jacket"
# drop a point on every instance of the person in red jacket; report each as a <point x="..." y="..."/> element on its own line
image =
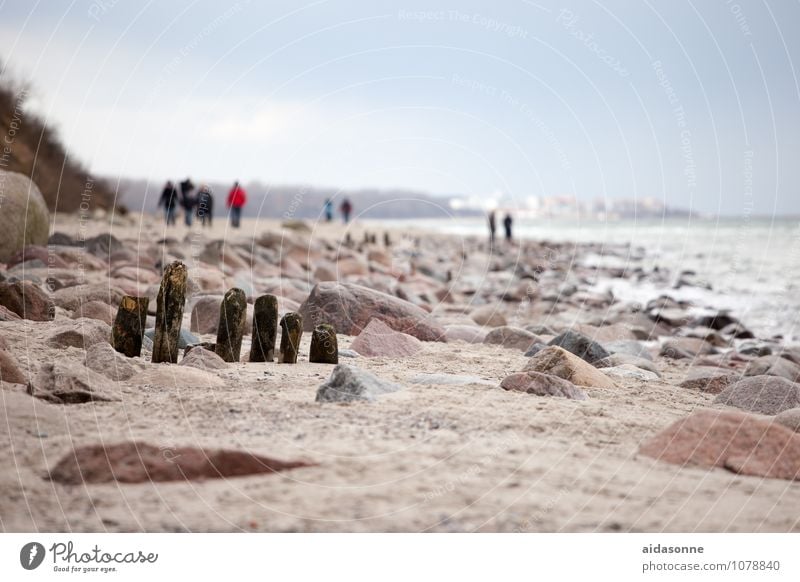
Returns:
<point x="237" y="198"/>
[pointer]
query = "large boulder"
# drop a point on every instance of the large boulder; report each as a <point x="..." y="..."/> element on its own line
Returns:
<point x="774" y="366"/>
<point x="511" y="337"/>
<point x="739" y="442"/>
<point x="24" y="218"/>
<point x="348" y="384"/>
<point x="349" y="308"/>
<point x="764" y="394"/>
<point x="378" y="340"/>
<point x="542" y="385"/>
<point x="28" y="301"/>
<point x="559" y="362"/>
<point x="584" y="347"/>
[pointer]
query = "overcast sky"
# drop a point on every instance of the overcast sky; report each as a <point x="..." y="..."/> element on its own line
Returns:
<point x="696" y="103"/>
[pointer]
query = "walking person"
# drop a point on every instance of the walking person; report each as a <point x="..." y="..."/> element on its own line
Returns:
<point x="328" y="210"/>
<point x="205" y="205"/>
<point x="492" y="228"/>
<point x="346" y="208"/>
<point x="237" y="198"/>
<point x="188" y="200"/>
<point x="507" y="222"/>
<point x="169" y="200"/>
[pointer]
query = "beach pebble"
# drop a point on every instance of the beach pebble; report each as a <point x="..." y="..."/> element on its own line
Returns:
<point x="511" y="337"/>
<point x="559" y="362"/>
<point x="348" y="383"/>
<point x="472" y="334"/>
<point x="629" y="371"/>
<point x="203" y="359"/>
<point x="488" y="315"/>
<point x="764" y="394"/>
<point x="103" y="359"/>
<point x="685" y="347"/>
<point x="709" y="379"/>
<point x="790" y="419"/>
<point x="27" y="300"/>
<point x="774" y="366"/>
<point x="742" y="443"/>
<point x="542" y="385"/>
<point x="584" y="347"/>
<point x="349" y="308"/>
<point x="379" y="340"/>
<point x="67" y="382"/>
<point x="79" y="333"/>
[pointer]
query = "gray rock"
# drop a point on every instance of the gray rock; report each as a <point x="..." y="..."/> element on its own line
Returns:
<point x="511" y="337"/>
<point x="203" y="359"/>
<point x="710" y="379"/>
<point x="186" y="338"/>
<point x="534" y="349"/>
<point x="348" y="383"/>
<point x="630" y="347"/>
<point x="584" y="347"/>
<point x="764" y="394"/>
<point x="773" y="366"/>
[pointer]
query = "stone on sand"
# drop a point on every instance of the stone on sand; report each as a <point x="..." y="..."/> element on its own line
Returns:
<point x="764" y="394"/>
<point x="709" y="379"/>
<point x="203" y="359"/>
<point x="27" y="300"/>
<point x="631" y="372"/>
<point x="349" y="308"/>
<point x="79" y="333"/>
<point x="348" y="383"/>
<point x="559" y="362"/>
<point x="472" y="334"/>
<point x="71" y="298"/>
<point x="67" y="382"/>
<point x="488" y="315"/>
<point x="9" y="369"/>
<point x="378" y="340"/>
<point x="104" y="359"/>
<point x="511" y="337"/>
<point x="774" y="366"/>
<point x="205" y="314"/>
<point x="25" y="219"/>
<point x="136" y="462"/>
<point x="790" y="419"/>
<point x="542" y="385"/>
<point x="582" y="346"/>
<point x="739" y="442"/>
<point x="686" y="347"/>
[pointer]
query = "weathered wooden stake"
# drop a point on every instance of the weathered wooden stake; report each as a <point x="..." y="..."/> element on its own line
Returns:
<point x="291" y="332"/>
<point x="324" y="349"/>
<point x="265" y="329"/>
<point x="169" y="313"/>
<point x="232" y="317"/>
<point x="129" y="324"/>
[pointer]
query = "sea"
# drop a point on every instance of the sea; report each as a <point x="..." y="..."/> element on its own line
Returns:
<point x="748" y="265"/>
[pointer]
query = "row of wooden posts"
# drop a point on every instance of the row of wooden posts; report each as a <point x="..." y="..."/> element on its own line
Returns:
<point x="129" y="326"/>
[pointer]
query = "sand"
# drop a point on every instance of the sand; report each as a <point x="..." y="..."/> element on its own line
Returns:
<point x="444" y="458"/>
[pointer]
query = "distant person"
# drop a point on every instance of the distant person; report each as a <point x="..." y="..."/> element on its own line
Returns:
<point x="237" y="198"/>
<point x="205" y="205"/>
<point x="507" y="223"/>
<point x="328" y="210"/>
<point x="492" y="227"/>
<point x="346" y="208"/>
<point x="169" y="200"/>
<point x="187" y="200"/>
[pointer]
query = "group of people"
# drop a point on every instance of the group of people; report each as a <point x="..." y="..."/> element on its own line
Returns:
<point x="507" y="224"/>
<point x="199" y="203"/>
<point x="346" y="208"/>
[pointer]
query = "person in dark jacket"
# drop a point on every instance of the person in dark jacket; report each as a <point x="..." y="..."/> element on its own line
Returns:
<point x="507" y="222"/>
<point x="205" y="205"/>
<point x="237" y="198"/>
<point x="346" y="207"/>
<point x="169" y="200"/>
<point x="187" y="200"/>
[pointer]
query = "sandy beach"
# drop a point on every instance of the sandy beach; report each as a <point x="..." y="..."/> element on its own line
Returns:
<point x="449" y="452"/>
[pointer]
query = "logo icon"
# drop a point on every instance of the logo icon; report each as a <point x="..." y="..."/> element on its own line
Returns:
<point x="31" y="555"/>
